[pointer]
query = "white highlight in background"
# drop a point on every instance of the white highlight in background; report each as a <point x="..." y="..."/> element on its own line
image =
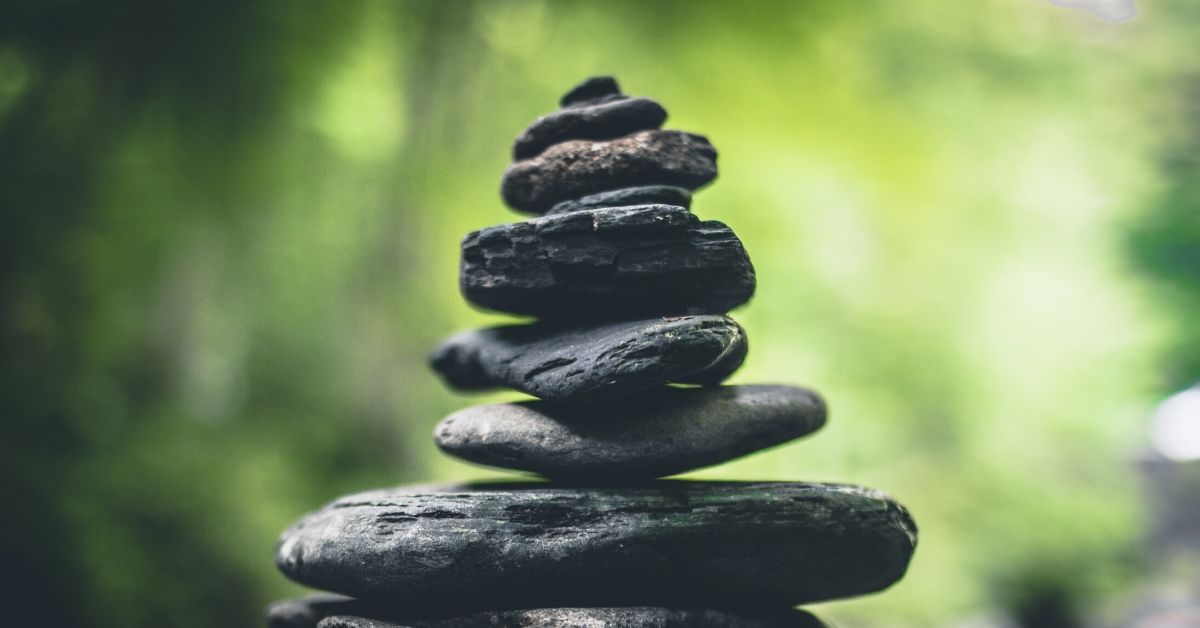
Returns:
<point x="1176" y="430"/>
<point x="1107" y="10"/>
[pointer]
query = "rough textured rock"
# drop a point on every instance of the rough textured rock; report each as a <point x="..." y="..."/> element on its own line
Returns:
<point x="662" y="432"/>
<point x="580" y="167"/>
<point x="536" y="545"/>
<point x="627" y="617"/>
<point x="593" y="363"/>
<point x="600" y="121"/>
<point x="591" y="89"/>
<point x="640" y="195"/>
<point x="606" y="264"/>
<point x="343" y="621"/>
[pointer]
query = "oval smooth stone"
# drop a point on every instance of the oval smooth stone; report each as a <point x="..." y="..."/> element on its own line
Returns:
<point x="660" y="433"/>
<point x="600" y="121"/>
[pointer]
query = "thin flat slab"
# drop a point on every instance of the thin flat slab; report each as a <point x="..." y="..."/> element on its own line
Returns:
<point x="590" y="364"/>
<point x="624" y="197"/>
<point x="601" y="121"/>
<point x="660" y="433"/>
<point x="628" y="617"/>
<point x="308" y="611"/>
<point x="580" y="167"/>
<point x="536" y="545"/>
<point x="607" y="264"/>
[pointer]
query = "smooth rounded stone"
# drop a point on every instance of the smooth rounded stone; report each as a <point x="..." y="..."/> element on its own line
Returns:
<point x="661" y="433"/>
<point x="600" y="121"/>
<point x="537" y="545"/>
<point x="611" y="617"/>
<point x="605" y="264"/>
<point x="591" y="89"/>
<point x="588" y="364"/>
<point x="640" y="195"/>
<point x="580" y="167"/>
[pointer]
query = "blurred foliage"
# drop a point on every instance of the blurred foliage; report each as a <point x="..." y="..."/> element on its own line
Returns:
<point x="231" y="237"/>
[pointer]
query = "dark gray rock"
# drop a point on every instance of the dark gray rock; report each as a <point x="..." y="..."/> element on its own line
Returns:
<point x="588" y="364"/>
<point x="591" y="89"/>
<point x="613" y="617"/>
<point x="600" y="121"/>
<point x="663" y="432"/>
<point x="536" y="545"/>
<point x="580" y="167"/>
<point x="343" y="621"/>
<point x="641" y="195"/>
<point x="308" y="611"/>
<point x="606" y="264"/>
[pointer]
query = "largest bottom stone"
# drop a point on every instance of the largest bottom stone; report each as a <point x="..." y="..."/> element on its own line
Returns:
<point x="593" y="618"/>
<point x="330" y="611"/>
<point x="713" y="544"/>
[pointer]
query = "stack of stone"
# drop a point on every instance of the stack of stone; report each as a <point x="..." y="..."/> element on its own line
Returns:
<point x="631" y="342"/>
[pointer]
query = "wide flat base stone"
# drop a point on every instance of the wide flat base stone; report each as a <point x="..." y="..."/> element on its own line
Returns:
<point x="595" y="363"/>
<point x="341" y="611"/>
<point x="634" y="617"/>
<point x="607" y="264"/>
<point x="652" y="435"/>
<point x="537" y="545"/>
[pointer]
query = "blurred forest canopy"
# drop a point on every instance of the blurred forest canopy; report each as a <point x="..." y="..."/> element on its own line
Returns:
<point x="231" y="237"/>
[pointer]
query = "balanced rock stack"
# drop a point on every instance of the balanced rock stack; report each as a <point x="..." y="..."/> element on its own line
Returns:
<point x="630" y="292"/>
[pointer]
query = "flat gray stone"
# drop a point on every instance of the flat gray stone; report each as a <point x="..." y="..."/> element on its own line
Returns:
<point x="606" y="264"/>
<point x="664" y="543"/>
<point x="600" y="121"/>
<point x="660" y="433"/>
<point x="593" y="363"/>
<point x="639" y="195"/>
<point x="620" y="617"/>
<point x="581" y="167"/>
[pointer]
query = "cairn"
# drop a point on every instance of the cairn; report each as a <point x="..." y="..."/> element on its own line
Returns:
<point x="630" y="291"/>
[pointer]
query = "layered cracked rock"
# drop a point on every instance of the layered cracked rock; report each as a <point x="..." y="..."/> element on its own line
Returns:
<point x="625" y="358"/>
<point x="725" y="544"/>
<point x="593" y="363"/>
<point x="607" y="263"/>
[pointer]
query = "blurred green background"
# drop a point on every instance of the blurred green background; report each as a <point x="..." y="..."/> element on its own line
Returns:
<point x="231" y="234"/>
